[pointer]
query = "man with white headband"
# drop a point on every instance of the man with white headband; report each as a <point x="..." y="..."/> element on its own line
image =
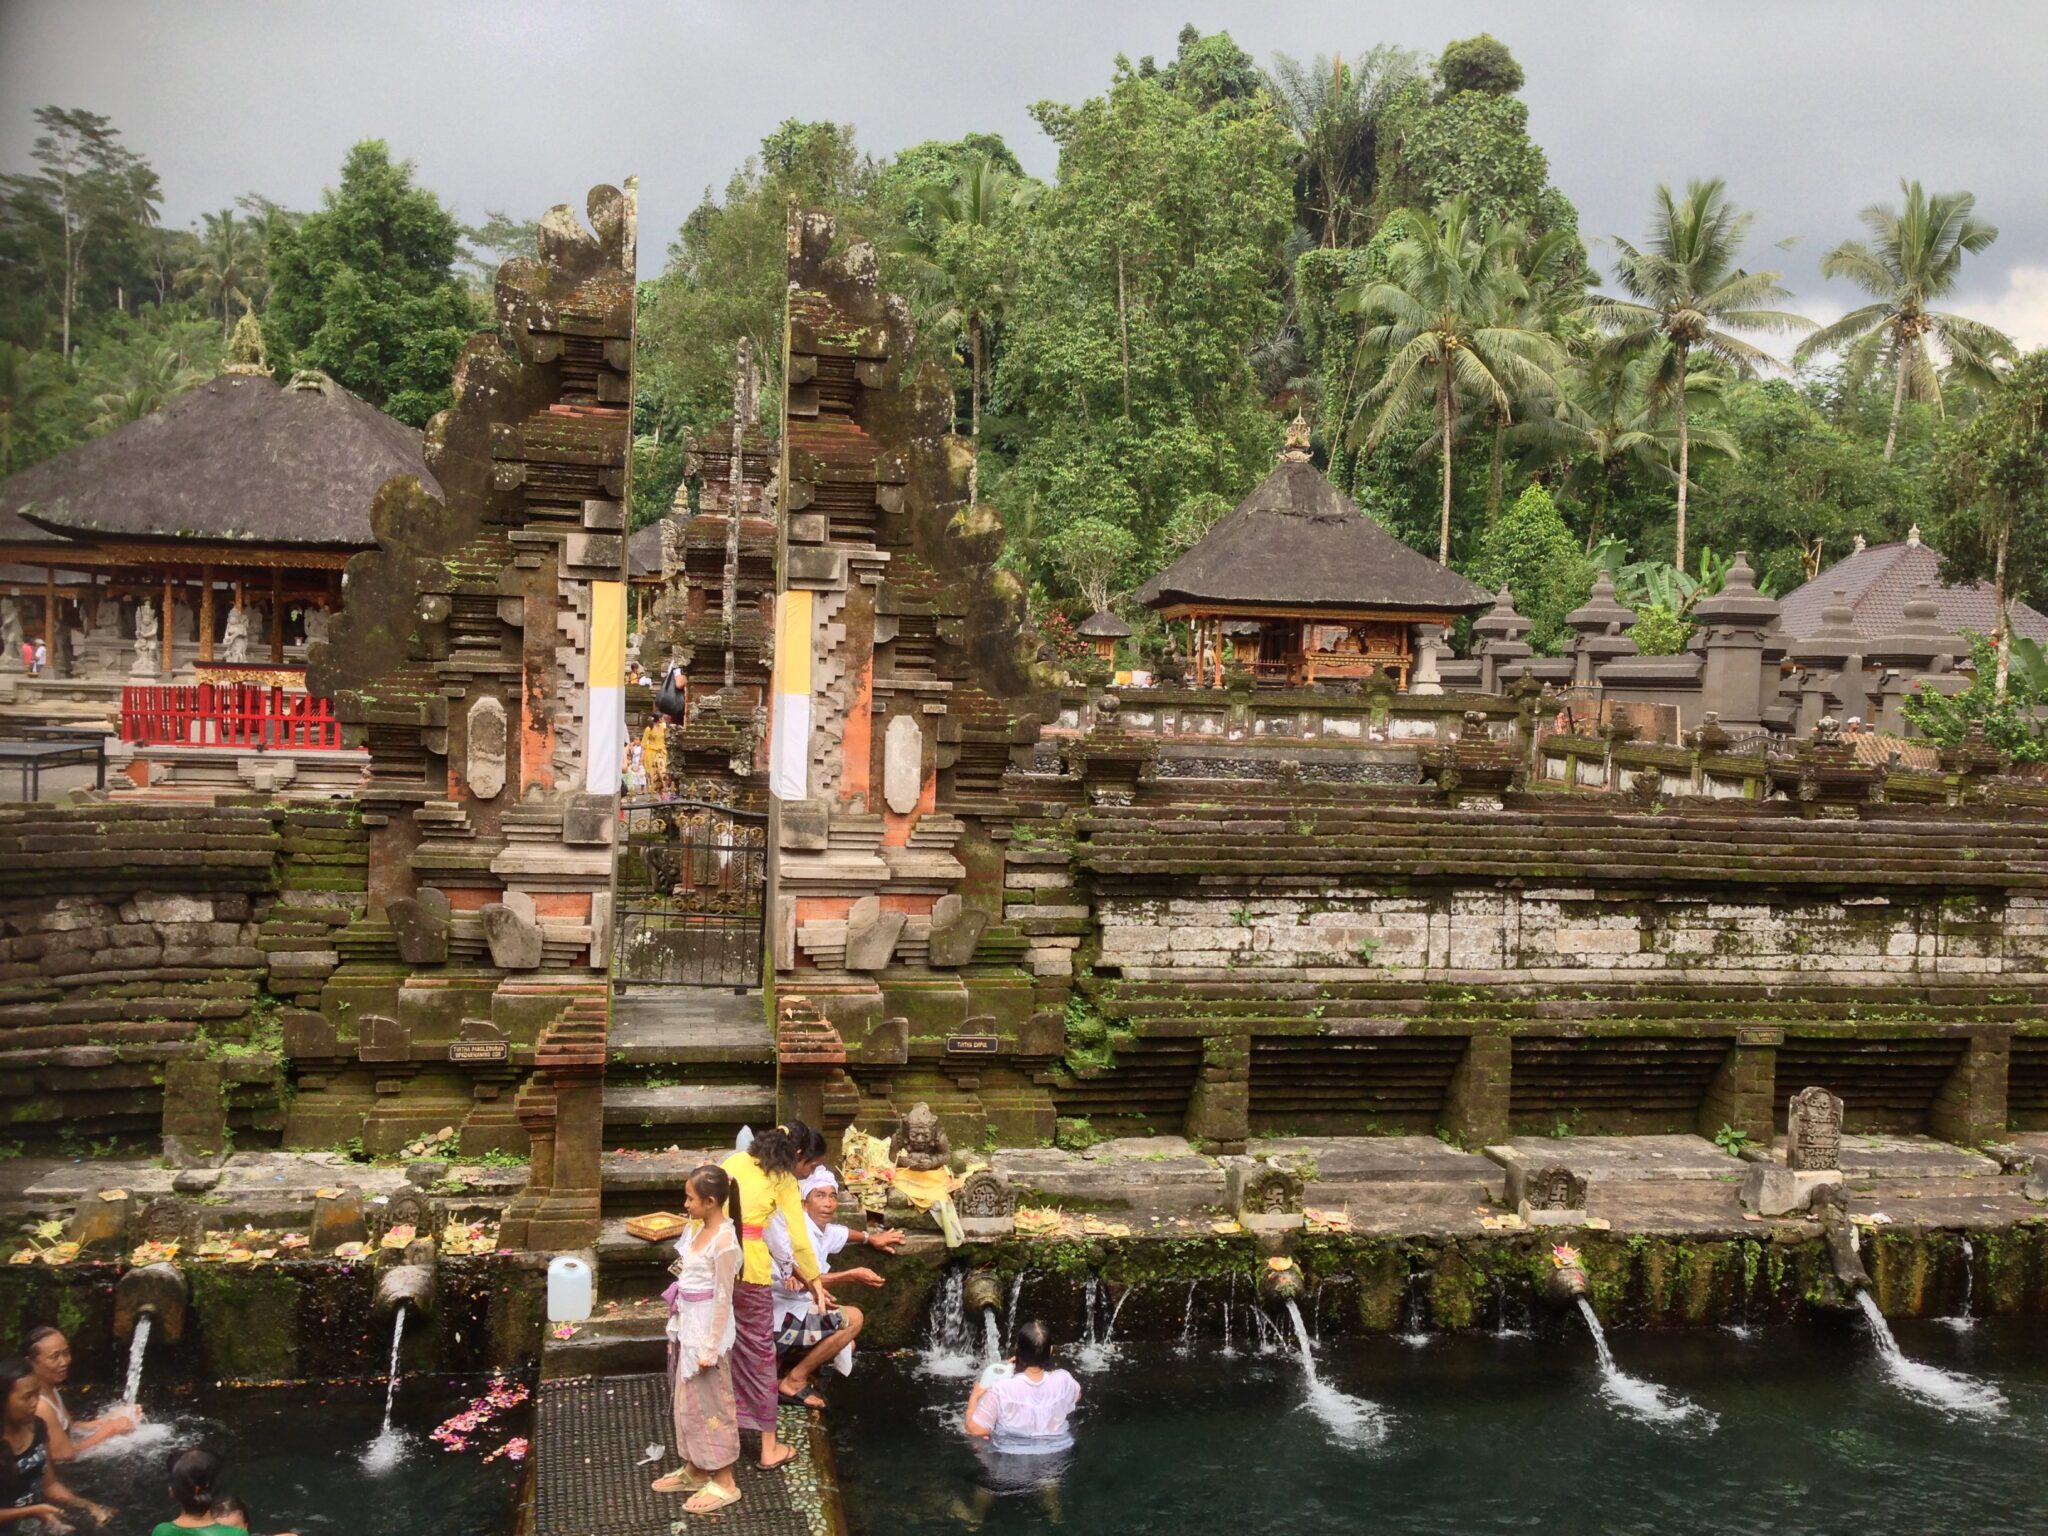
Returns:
<point x="804" y="1335"/>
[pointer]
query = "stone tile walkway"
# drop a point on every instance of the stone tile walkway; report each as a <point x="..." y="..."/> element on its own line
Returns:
<point x="591" y="1434"/>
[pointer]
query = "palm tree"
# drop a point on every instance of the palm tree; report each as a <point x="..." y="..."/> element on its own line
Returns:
<point x="957" y="267"/>
<point x="1549" y="304"/>
<point x="1607" y="419"/>
<point x="1334" y="111"/>
<point x="227" y="266"/>
<point x="1911" y="259"/>
<point x="149" y="382"/>
<point x="1686" y="295"/>
<point x="1446" y="323"/>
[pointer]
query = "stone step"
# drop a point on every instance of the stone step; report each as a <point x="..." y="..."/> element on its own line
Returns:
<point x="636" y="1183"/>
<point x="630" y="1270"/>
<point x="689" y="1104"/>
<point x="611" y="1343"/>
<point x="692" y="1039"/>
<point x="642" y="1116"/>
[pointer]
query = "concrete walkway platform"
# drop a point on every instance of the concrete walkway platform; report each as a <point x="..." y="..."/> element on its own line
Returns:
<point x="591" y="1433"/>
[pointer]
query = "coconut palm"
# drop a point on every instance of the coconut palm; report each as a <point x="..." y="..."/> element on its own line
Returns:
<point x="1447" y="324"/>
<point x="960" y="267"/>
<point x="1686" y="294"/>
<point x="227" y="267"/>
<point x="1334" y="109"/>
<point x="1547" y="301"/>
<point x="1911" y="259"/>
<point x="1608" y="419"/>
<point x="149" y="382"/>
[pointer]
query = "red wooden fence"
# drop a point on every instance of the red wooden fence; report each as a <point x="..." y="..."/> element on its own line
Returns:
<point x="245" y="715"/>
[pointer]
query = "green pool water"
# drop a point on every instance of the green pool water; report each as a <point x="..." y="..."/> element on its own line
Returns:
<point x="1768" y="1431"/>
<point x="295" y="1456"/>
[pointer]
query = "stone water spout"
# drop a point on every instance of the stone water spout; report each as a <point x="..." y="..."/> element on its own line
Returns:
<point x="984" y="1292"/>
<point x="406" y="1285"/>
<point x="1564" y="1281"/>
<point x="153" y="1290"/>
<point x="1280" y="1280"/>
<point x="1846" y="1274"/>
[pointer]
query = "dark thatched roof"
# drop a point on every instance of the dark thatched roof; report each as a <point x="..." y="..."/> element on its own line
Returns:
<point x="239" y="458"/>
<point x="1877" y="582"/>
<point x="1299" y="542"/>
<point x="1103" y="626"/>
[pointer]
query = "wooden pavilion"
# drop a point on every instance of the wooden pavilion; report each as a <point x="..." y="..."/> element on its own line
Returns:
<point x="203" y="543"/>
<point x="1301" y="586"/>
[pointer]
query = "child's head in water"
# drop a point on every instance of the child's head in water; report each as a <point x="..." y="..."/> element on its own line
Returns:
<point x="229" y="1511"/>
<point x="193" y="1476"/>
<point x="1034" y="1347"/>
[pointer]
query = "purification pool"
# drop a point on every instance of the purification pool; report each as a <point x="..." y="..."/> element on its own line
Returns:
<point x="296" y="1457"/>
<point x="1761" y="1430"/>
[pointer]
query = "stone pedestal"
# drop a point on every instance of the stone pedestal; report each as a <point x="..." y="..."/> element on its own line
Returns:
<point x="1772" y="1189"/>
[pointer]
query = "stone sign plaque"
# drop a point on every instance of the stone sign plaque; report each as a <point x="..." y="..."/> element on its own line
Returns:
<point x="973" y="1045"/>
<point x="1555" y="1187"/>
<point x="1813" y="1131"/>
<point x="479" y="1052"/>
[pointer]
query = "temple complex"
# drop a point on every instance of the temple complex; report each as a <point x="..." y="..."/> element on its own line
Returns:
<point x="1343" y="977"/>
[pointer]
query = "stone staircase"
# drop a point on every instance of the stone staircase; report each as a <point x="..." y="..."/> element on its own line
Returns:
<point x="687" y="1068"/>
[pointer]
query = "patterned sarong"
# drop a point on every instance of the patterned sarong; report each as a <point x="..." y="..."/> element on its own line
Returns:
<point x="753" y="1355"/>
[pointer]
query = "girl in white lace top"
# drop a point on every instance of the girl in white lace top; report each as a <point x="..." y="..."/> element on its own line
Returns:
<point x="700" y="1329"/>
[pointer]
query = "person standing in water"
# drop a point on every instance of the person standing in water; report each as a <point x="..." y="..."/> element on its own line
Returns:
<point x="29" y="1486"/>
<point x="48" y="1353"/>
<point x="1022" y="1419"/>
<point x="768" y="1173"/>
<point x="701" y="1336"/>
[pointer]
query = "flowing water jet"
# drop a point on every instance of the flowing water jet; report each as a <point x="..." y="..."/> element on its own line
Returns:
<point x="1963" y="1321"/>
<point x="1353" y="1420"/>
<point x="1414" y="1321"/>
<point x="1644" y="1399"/>
<point x="1016" y="1296"/>
<point x="947" y="1351"/>
<point x="991" y="1337"/>
<point x="132" y="1393"/>
<point x="1186" y="1347"/>
<point x="388" y="1449"/>
<point x="1951" y="1391"/>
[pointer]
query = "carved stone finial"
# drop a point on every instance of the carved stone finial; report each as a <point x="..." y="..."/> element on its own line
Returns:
<point x="1297" y="450"/>
<point x="1913" y="537"/>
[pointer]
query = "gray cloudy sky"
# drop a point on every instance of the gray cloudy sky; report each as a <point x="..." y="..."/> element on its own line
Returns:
<point x="1810" y="108"/>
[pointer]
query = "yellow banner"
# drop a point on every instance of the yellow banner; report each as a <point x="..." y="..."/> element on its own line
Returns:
<point x="607" y="634"/>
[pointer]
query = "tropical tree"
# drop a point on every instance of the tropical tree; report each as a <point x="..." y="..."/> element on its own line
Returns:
<point x="1546" y="301"/>
<point x="1911" y="259"/>
<point x="227" y="266"/>
<point x="23" y="386"/>
<point x="88" y="183"/>
<point x="1334" y="110"/>
<point x="151" y="379"/>
<point x="1447" y="323"/>
<point x="1687" y="295"/>
<point x="961" y="263"/>
<point x="1607" y="422"/>
<point x="1993" y="486"/>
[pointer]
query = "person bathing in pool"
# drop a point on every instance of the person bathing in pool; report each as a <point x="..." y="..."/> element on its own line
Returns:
<point x="48" y="1353"/>
<point x="31" y="1496"/>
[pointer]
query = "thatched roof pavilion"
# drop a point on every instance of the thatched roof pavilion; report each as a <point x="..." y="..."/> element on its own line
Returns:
<point x="243" y="490"/>
<point x="1326" y="590"/>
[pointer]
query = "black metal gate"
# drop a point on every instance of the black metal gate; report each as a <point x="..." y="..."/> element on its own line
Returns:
<point x="692" y="893"/>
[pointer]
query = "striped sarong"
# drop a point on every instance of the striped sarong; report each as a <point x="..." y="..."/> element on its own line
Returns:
<point x="753" y="1355"/>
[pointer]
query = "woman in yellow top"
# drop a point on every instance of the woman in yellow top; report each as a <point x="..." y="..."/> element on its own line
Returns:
<point x="768" y="1174"/>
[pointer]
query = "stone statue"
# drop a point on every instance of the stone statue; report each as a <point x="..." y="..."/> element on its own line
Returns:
<point x="923" y="1140"/>
<point x="184" y="620"/>
<point x="316" y="625"/>
<point x="235" y="639"/>
<point x="147" y="651"/>
<point x="11" y="631"/>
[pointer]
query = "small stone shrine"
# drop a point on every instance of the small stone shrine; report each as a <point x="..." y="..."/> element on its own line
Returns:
<point x="1546" y="1194"/>
<point x="1812" y="1170"/>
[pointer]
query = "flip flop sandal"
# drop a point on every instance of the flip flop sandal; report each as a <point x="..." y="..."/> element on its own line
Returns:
<point x="810" y="1397"/>
<point x="718" y="1497"/>
<point x="677" y="1482"/>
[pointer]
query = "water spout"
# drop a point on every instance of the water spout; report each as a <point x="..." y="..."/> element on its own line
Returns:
<point x="991" y="1337"/>
<point x="1353" y="1420"/>
<point x="1414" y="1324"/>
<point x="388" y="1449"/>
<point x="132" y="1394"/>
<point x="1950" y="1391"/>
<point x="1186" y="1347"/>
<point x="946" y="1349"/>
<point x="1016" y="1295"/>
<point x="1963" y="1322"/>
<point x="1644" y="1399"/>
